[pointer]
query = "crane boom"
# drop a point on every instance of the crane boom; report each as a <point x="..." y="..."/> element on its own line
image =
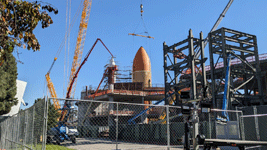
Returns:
<point x="80" y="42"/>
<point x="215" y="26"/>
<point x="65" y="107"/>
<point x="52" y="91"/>
<point x="79" y="68"/>
<point x="222" y="15"/>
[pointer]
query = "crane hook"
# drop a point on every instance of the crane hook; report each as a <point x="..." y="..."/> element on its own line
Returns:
<point x="141" y="6"/>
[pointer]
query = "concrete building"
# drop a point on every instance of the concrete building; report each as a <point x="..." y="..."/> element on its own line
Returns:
<point x="140" y="90"/>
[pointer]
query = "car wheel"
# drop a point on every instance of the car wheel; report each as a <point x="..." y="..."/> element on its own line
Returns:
<point x="49" y="139"/>
<point x="58" y="140"/>
<point x="73" y="139"/>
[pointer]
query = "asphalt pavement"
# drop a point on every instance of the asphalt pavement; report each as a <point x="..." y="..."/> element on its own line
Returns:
<point x="104" y="144"/>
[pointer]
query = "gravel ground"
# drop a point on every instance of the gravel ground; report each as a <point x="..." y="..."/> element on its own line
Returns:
<point x="99" y="144"/>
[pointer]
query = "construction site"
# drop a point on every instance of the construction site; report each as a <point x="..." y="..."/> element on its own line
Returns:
<point x="214" y="100"/>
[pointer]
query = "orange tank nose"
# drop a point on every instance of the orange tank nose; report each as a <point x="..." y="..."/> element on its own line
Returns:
<point x="142" y="68"/>
<point x="141" y="61"/>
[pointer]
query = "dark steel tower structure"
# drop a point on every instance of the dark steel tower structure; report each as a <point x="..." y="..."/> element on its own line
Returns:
<point x="245" y="86"/>
<point x="182" y="69"/>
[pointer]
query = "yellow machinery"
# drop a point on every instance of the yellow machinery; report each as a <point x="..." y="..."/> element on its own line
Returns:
<point x="52" y="91"/>
<point x="171" y="101"/>
<point x="77" y="54"/>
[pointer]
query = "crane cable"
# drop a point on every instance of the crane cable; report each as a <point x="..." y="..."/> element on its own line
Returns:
<point x="66" y="36"/>
<point x="144" y="25"/>
<point x="67" y="43"/>
<point x="66" y="28"/>
<point x="68" y="56"/>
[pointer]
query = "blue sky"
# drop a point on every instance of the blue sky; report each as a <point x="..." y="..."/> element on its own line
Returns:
<point x="112" y="20"/>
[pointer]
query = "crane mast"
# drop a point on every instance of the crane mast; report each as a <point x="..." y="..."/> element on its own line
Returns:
<point x="80" y="43"/>
<point x="77" y="54"/>
<point x="77" y="57"/>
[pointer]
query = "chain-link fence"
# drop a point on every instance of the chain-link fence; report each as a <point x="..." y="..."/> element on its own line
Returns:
<point x="90" y="124"/>
<point x="220" y="124"/>
<point x="114" y="125"/>
<point x="254" y="123"/>
<point x="25" y="130"/>
<point x="118" y="125"/>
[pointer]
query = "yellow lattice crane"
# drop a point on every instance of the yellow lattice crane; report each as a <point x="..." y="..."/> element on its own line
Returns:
<point x="77" y="55"/>
<point x="79" y="44"/>
<point x="52" y="91"/>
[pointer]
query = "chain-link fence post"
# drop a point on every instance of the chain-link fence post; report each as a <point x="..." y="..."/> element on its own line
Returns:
<point x="117" y="126"/>
<point x="25" y="128"/>
<point x="45" y="123"/>
<point x="256" y="123"/>
<point x="195" y="128"/>
<point x="1" y="140"/>
<point x="14" y="131"/>
<point x="33" y="110"/>
<point x="209" y="125"/>
<point x="5" y="135"/>
<point x="10" y="133"/>
<point x="3" y="132"/>
<point x="238" y="122"/>
<point x="168" y="127"/>
<point x="242" y="126"/>
<point x="18" y="133"/>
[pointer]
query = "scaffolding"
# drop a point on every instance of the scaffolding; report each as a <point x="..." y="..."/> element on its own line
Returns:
<point x="241" y="47"/>
<point x="186" y="66"/>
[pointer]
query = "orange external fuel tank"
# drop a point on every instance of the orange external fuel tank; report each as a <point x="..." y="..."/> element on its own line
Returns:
<point x="142" y="70"/>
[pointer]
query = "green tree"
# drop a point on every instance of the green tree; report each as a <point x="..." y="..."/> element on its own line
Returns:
<point x="18" y="19"/>
<point x="8" y="88"/>
<point x="53" y="114"/>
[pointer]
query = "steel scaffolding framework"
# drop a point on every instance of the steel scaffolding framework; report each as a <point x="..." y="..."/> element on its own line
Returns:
<point x="242" y="46"/>
<point x="186" y="66"/>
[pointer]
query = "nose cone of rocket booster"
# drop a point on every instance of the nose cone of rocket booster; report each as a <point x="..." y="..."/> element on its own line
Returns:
<point x="142" y="68"/>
